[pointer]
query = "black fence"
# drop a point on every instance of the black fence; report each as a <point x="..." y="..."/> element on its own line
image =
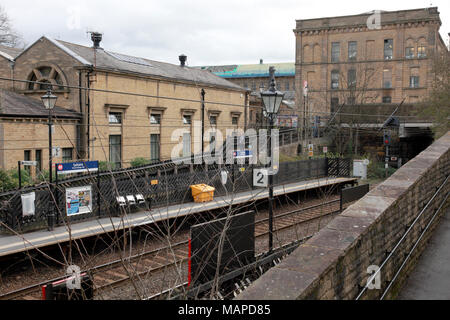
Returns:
<point x="159" y="186"/>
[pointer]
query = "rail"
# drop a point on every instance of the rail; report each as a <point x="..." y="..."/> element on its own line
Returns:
<point x="391" y="254"/>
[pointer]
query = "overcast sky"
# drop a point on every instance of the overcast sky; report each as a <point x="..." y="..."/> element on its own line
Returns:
<point x="209" y="32"/>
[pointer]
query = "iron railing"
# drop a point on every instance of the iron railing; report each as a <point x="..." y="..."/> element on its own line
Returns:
<point x="160" y="186"/>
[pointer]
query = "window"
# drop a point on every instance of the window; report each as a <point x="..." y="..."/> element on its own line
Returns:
<point x="387" y="99"/>
<point x="334" y="79"/>
<point x="335" y="51"/>
<point x="387" y="78"/>
<point x="414" y="81"/>
<point x="234" y="120"/>
<point x="409" y="52"/>
<point x="213" y="120"/>
<point x="351" y="78"/>
<point x="388" y="49"/>
<point x="253" y="86"/>
<point x="67" y="154"/>
<point x="334" y="104"/>
<point x="154" y="147"/>
<point x="115" y="117"/>
<point x="186" y="144"/>
<point x="38" y="161"/>
<point x="352" y="47"/>
<point x="27" y="157"/>
<point x="47" y="75"/>
<point x="287" y="86"/>
<point x="421" y="52"/>
<point x="245" y="85"/>
<point x="115" y="150"/>
<point x="187" y="119"/>
<point x="155" y="118"/>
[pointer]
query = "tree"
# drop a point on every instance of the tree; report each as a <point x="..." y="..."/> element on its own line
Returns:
<point x="8" y="36"/>
<point x="436" y="106"/>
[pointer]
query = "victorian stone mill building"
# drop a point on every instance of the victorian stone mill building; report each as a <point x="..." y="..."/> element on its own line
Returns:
<point x="119" y="107"/>
<point x="370" y="62"/>
<point x="391" y="62"/>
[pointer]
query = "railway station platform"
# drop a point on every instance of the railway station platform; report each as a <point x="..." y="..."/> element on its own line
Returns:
<point x="430" y="279"/>
<point x="10" y="244"/>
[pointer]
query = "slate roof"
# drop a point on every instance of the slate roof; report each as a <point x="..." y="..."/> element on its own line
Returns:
<point x="17" y="105"/>
<point x="9" y="53"/>
<point x="123" y="63"/>
<point x="285" y="69"/>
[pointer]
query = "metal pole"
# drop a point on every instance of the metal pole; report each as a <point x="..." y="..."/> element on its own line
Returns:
<point x="50" y="145"/>
<point x="269" y="151"/>
<point x="386" y="164"/>
<point x="20" y="175"/>
<point x="50" y="216"/>
<point x="98" y="191"/>
<point x="203" y="119"/>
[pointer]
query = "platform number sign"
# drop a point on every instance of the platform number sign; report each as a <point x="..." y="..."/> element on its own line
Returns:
<point x="260" y="177"/>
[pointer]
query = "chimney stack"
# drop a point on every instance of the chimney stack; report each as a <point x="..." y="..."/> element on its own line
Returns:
<point x="183" y="59"/>
<point x="96" y="38"/>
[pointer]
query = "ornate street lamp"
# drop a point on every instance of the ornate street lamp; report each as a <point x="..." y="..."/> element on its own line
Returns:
<point x="49" y="101"/>
<point x="271" y="101"/>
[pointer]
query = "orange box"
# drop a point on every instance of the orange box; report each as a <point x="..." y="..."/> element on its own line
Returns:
<point x="202" y="192"/>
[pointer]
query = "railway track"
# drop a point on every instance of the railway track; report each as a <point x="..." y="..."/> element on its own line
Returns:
<point x="116" y="273"/>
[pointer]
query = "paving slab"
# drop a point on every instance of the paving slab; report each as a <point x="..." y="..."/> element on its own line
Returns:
<point x="430" y="279"/>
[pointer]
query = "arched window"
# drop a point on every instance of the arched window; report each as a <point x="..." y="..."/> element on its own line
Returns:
<point x="49" y="78"/>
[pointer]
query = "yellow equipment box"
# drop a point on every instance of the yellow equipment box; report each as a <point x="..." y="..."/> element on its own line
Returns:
<point x="202" y="192"/>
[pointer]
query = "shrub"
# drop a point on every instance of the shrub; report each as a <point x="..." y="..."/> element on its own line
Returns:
<point x="139" y="162"/>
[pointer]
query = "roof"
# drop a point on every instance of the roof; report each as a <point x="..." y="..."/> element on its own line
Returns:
<point x="18" y="105"/>
<point x="285" y="69"/>
<point x="124" y="63"/>
<point x="387" y="17"/>
<point x="289" y="96"/>
<point x="9" y="53"/>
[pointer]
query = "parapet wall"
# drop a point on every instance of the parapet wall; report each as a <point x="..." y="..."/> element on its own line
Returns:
<point x="334" y="263"/>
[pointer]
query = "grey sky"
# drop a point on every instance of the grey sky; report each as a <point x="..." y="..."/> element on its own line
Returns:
<point x="208" y="32"/>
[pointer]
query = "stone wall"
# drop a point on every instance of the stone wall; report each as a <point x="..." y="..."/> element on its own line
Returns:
<point x="333" y="263"/>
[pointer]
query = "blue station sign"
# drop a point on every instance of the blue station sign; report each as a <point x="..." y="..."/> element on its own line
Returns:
<point x="242" y="154"/>
<point x="76" y="167"/>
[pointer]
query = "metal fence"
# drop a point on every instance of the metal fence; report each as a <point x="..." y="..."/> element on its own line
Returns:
<point x="160" y="186"/>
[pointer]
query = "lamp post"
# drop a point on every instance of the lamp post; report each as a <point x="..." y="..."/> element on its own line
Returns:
<point x="271" y="101"/>
<point x="49" y="101"/>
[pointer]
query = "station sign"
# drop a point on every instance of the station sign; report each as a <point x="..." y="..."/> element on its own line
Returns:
<point x="260" y="177"/>
<point x="76" y="167"/>
<point x="310" y="150"/>
<point x="242" y="154"/>
<point x="28" y="163"/>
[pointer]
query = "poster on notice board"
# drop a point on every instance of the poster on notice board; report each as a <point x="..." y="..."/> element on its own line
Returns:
<point x="78" y="200"/>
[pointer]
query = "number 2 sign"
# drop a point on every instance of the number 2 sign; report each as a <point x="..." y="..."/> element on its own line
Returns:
<point x="260" y="177"/>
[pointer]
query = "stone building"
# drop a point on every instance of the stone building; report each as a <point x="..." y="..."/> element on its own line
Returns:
<point x="365" y="58"/>
<point x="24" y="132"/>
<point x="255" y="77"/>
<point x="131" y="107"/>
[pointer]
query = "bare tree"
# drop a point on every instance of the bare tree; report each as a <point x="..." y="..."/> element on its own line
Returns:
<point x="8" y="36"/>
<point x="350" y="85"/>
<point x="437" y="104"/>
